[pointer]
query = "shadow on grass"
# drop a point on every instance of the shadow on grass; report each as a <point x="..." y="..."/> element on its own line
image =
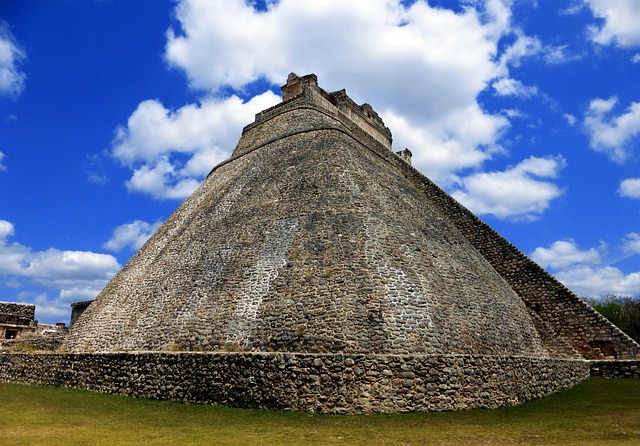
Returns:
<point x="596" y="412"/>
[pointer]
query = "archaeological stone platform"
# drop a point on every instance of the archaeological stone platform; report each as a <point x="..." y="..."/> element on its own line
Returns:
<point x="323" y="272"/>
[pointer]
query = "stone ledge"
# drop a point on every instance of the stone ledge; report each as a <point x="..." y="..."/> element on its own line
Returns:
<point x="615" y="369"/>
<point x="332" y="383"/>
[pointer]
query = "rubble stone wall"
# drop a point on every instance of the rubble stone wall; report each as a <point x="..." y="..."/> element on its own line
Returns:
<point x="21" y="311"/>
<point x="333" y="383"/>
<point x="568" y="316"/>
<point x="333" y="251"/>
<point x="615" y="369"/>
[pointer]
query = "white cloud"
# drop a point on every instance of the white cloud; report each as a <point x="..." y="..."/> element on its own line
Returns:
<point x="527" y="46"/>
<point x="636" y="58"/>
<point x="6" y="229"/>
<point x="513" y="87"/>
<point x="71" y="273"/>
<point x="420" y="67"/>
<point x="582" y="270"/>
<point x="631" y="243"/>
<point x="460" y="140"/>
<point x="524" y="46"/>
<point x="50" y="308"/>
<point x="170" y="152"/>
<point x="94" y="170"/>
<point x="434" y="63"/>
<point x="161" y="180"/>
<point x="564" y="253"/>
<point x="558" y="54"/>
<point x="571" y="120"/>
<point x="11" y="78"/>
<point x="2" y="166"/>
<point x="132" y="235"/>
<point x="55" y="268"/>
<point x="594" y="282"/>
<point x="630" y="188"/>
<point x="612" y="134"/>
<point x="520" y="192"/>
<point x="621" y="18"/>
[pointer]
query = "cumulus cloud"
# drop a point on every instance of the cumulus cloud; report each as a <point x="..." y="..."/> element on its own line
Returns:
<point x="11" y="78"/>
<point x="585" y="270"/>
<point x="513" y="87"/>
<point x="612" y="134"/>
<point x="170" y="151"/>
<point x="2" y="166"/>
<point x="71" y="273"/>
<point x="435" y="60"/>
<point x="631" y="243"/>
<point x="564" y="253"/>
<point x="421" y="67"/>
<point x="594" y="282"/>
<point x="132" y="235"/>
<point x="520" y="192"/>
<point x="630" y="188"/>
<point x="620" y="27"/>
<point x="6" y="230"/>
<point x="460" y="140"/>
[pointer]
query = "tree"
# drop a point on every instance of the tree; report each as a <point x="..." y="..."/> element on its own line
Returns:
<point x="622" y="311"/>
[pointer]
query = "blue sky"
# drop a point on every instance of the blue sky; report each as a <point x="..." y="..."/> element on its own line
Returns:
<point x="112" y="113"/>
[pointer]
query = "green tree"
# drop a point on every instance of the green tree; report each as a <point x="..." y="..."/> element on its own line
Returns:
<point x="622" y="311"/>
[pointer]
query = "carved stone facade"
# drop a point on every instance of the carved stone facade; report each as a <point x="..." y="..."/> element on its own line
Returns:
<point x="16" y="320"/>
<point x="20" y="330"/>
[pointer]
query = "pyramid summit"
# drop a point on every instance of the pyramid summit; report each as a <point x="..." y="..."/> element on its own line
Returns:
<point x="318" y="270"/>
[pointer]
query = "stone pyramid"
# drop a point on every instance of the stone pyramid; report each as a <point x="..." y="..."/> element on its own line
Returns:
<point x="315" y="237"/>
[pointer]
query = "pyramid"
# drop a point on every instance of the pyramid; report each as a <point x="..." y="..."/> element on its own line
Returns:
<point x="315" y="237"/>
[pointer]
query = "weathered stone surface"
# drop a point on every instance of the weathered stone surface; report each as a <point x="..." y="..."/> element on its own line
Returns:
<point x="321" y="272"/>
<point x="21" y="311"/>
<point x="292" y="381"/>
<point x="615" y="369"/>
<point x="311" y="239"/>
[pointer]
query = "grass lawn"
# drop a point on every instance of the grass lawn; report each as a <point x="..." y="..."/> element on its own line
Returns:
<point x="597" y="412"/>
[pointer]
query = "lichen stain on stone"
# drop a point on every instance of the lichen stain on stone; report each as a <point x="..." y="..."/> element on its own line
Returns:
<point x="258" y="282"/>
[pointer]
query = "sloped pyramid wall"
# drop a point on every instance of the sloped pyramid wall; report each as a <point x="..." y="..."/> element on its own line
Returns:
<point x="311" y="238"/>
<point x="311" y="243"/>
<point x="317" y="270"/>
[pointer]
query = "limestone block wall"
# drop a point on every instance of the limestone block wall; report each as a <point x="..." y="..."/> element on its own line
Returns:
<point x="568" y="316"/>
<point x="315" y="237"/>
<point x="615" y="369"/>
<point x="332" y="251"/>
<point x="338" y="102"/>
<point x="333" y="383"/>
<point x="21" y="311"/>
<point x="556" y="311"/>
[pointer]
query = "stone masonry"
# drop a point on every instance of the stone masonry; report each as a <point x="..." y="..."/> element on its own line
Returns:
<point x="332" y="383"/>
<point x="16" y="320"/>
<point x="306" y="240"/>
<point x="317" y="270"/>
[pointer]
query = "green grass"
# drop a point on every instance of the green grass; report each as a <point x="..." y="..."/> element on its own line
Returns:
<point x="597" y="412"/>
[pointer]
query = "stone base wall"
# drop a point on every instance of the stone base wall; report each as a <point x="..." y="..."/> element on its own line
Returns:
<point x="615" y="369"/>
<point x="333" y="383"/>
